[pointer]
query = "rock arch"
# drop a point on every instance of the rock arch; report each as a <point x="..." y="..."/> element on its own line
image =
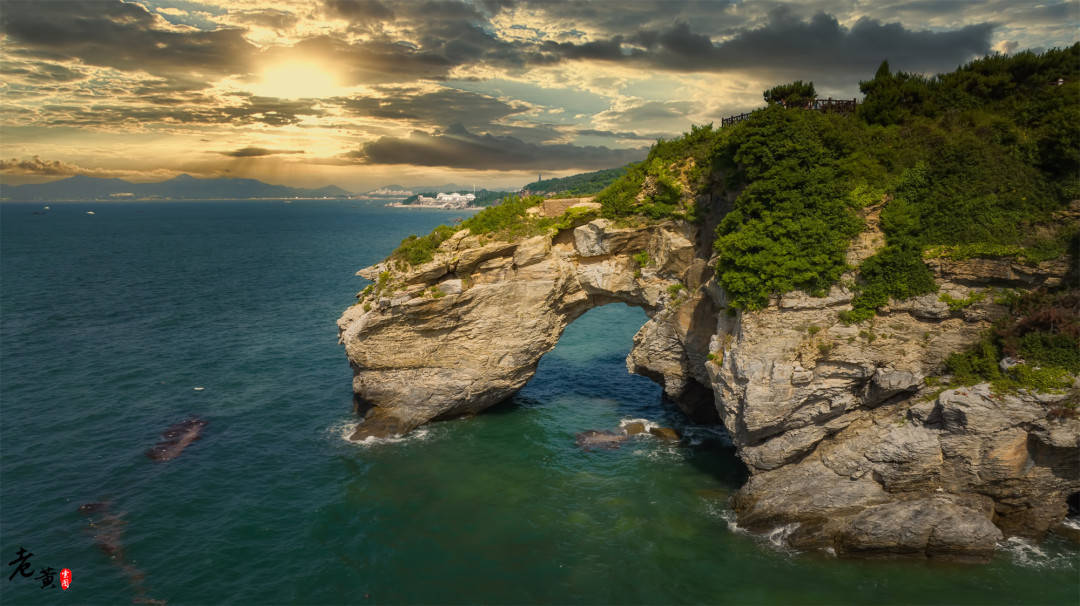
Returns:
<point x="466" y="330"/>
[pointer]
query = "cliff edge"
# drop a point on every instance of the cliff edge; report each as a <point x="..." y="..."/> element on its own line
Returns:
<point x="846" y="442"/>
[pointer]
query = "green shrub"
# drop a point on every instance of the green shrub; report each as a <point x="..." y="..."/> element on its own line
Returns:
<point x="417" y="250"/>
<point x="791" y="225"/>
<point x="508" y="220"/>
<point x="642" y="258"/>
<point x="574" y="217"/>
<point x="382" y="283"/>
<point x="664" y="197"/>
<point x="1043" y="330"/>
<point x="958" y="304"/>
<point x="795" y="94"/>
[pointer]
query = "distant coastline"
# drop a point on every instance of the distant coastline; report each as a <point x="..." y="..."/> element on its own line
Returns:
<point x="432" y="206"/>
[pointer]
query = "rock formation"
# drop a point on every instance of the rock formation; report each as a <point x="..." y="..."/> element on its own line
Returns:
<point x="466" y="330"/>
<point x="836" y="423"/>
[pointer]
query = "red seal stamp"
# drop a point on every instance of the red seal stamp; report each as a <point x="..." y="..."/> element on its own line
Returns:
<point x="65" y="578"/>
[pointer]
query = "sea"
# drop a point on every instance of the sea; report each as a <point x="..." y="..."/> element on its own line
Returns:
<point x="118" y="324"/>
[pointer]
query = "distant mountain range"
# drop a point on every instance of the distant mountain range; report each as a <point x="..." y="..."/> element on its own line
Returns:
<point x="182" y="187"/>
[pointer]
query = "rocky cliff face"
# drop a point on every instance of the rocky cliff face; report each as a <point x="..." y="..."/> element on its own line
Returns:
<point x="844" y="440"/>
<point x="466" y="330"/>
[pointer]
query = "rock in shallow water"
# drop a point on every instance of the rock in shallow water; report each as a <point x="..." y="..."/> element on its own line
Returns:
<point x="665" y="433"/>
<point x="592" y="438"/>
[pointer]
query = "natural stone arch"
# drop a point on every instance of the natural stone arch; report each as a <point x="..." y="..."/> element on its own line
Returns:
<point x="467" y="330"/>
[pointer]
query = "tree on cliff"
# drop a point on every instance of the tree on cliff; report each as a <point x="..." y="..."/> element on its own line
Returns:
<point x="795" y="94"/>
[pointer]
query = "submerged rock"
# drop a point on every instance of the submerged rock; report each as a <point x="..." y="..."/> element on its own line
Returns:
<point x="176" y="438"/>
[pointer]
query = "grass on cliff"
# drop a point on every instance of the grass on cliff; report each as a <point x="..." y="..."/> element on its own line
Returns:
<point x="508" y="221"/>
<point x="970" y="163"/>
<point x="1042" y="331"/>
<point x="965" y="164"/>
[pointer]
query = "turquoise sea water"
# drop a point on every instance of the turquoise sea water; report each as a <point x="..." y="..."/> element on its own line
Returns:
<point x="108" y="322"/>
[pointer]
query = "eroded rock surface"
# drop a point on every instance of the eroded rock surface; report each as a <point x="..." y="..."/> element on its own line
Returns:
<point x="836" y="424"/>
<point x="843" y="437"/>
<point x="419" y="356"/>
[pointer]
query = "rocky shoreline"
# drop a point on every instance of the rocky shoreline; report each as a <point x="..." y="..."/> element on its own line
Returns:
<point x="841" y="433"/>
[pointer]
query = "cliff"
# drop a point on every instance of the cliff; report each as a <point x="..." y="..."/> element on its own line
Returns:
<point x="846" y="441"/>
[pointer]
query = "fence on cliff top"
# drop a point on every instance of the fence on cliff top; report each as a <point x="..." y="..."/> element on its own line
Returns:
<point x="843" y="106"/>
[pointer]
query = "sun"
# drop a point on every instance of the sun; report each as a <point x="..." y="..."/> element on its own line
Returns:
<point x="297" y="79"/>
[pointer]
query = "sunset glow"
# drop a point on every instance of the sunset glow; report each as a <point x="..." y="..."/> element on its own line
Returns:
<point x="363" y="94"/>
<point x="297" y="80"/>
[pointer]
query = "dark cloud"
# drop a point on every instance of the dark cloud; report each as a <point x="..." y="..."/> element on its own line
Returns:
<point x="41" y="72"/>
<point x="358" y="10"/>
<point x="790" y="46"/>
<point x="439" y="108"/>
<point x="430" y="39"/>
<point x="592" y="132"/>
<point x="266" y="18"/>
<point x="1014" y="13"/>
<point x="122" y="35"/>
<point x="258" y="152"/>
<point x="37" y="166"/>
<point x="623" y="18"/>
<point x="458" y="148"/>
<point x="655" y="111"/>
<point x="251" y="110"/>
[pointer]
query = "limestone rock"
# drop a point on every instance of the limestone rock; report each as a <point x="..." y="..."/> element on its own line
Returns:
<point x="532" y="250"/>
<point x="589" y="239"/>
<point x="845" y="443"/>
<point x="470" y="258"/>
<point x="599" y="439"/>
<point x="933" y="526"/>
<point x="665" y="433"/>
<point x="418" y="358"/>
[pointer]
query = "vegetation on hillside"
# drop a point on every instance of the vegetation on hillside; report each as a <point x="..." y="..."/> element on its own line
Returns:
<point x="508" y="221"/>
<point x="970" y="163"/>
<point x="965" y="164"/>
<point x="796" y="94"/>
<point x="1041" y="335"/>
<point x="584" y="184"/>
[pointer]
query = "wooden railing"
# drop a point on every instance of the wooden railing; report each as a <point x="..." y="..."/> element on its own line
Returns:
<point x="844" y="106"/>
<point x="734" y="119"/>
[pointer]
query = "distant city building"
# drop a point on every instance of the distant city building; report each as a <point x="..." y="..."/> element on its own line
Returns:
<point x="453" y="200"/>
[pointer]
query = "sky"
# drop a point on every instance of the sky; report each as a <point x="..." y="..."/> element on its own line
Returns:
<point x="367" y="93"/>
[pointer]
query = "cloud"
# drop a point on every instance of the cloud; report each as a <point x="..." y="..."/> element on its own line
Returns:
<point x="258" y="152"/>
<point x="358" y="10"/>
<point x="271" y="18"/>
<point x="790" y="46"/>
<point x="172" y="110"/>
<point x="439" y="108"/>
<point x="592" y="132"/>
<point x="37" y="166"/>
<point x="40" y="72"/>
<point x="122" y="35"/>
<point x="458" y="148"/>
